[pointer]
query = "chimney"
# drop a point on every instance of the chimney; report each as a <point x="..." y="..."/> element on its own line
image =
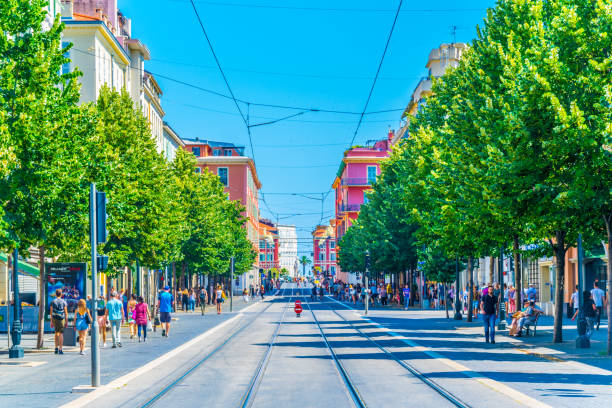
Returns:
<point x="67" y="8"/>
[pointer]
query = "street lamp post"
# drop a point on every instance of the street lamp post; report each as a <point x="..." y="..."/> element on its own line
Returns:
<point x="457" y="315"/>
<point x="582" y="341"/>
<point x="366" y="280"/>
<point x="501" y="325"/>
<point x="231" y="284"/>
<point x="16" y="351"/>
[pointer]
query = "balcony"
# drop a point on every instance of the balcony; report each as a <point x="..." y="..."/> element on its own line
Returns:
<point x="356" y="181"/>
<point x="349" y="207"/>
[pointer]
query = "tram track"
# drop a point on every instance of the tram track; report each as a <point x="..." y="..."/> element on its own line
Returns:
<point x="169" y="387"/>
<point x="453" y="399"/>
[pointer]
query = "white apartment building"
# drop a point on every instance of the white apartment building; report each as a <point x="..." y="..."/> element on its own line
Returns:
<point x="288" y="249"/>
<point x="171" y="142"/>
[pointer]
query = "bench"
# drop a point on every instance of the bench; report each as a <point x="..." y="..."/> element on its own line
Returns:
<point x="533" y="325"/>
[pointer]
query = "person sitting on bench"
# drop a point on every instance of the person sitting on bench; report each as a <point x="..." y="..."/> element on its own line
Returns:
<point x="529" y="317"/>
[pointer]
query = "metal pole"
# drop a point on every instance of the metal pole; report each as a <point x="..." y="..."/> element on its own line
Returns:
<point x="231" y="284"/>
<point x="95" y="351"/>
<point x="366" y="281"/>
<point x="501" y="325"/>
<point x="582" y="341"/>
<point x="458" y="315"/>
<point x="138" y="279"/>
<point x="16" y="351"/>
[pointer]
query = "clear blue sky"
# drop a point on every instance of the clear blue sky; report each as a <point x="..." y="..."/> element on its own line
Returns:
<point x="316" y="53"/>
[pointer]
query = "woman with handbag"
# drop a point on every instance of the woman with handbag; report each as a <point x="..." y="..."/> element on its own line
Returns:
<point x="142" y="317"/>
<point x="131" y="306"/>
<point x="82" y="320"/>
<point x="219" y="298"/>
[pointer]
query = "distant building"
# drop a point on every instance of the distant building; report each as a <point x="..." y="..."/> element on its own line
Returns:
<point x="288" y="249"/>
<point x="440" y="59"/>
<point x="324" y="251"/>
<point x="54" y="8"/>
<point x="171" y="143"/>
<point x="268" y="247"/>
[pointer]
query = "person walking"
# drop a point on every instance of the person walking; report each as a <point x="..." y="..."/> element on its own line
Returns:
<point x="192" y="300"/>
<point x="406" y="293"/>
<point x="599" y="298"/>
<point x="488" y="308"/>
<point x="115" y="316"/>
<point x="262" y="290"/>
<point x="218" y="298"/>
<point x="383" y="296"/>
<point x="590" y="312"/>
<point x="82" y="320"/>
<point x="59" y="319"/>
<point x="130" y="315"/>
<point x="102" y="317"/>
<point x="165" y="300"/>
<point x="575" y="300"/>
<point x="203" y="299"/>
<point x="511" y="300"/>
<point x="142" y="317"/>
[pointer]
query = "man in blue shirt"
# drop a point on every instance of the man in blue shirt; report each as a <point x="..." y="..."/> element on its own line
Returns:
<point x="406" y="291"/>
<point x="165" y="300"/>
<point x="531" y="293"/>
<point x="115" y="316"/>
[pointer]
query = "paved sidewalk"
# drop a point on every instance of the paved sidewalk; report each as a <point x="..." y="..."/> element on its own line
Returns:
<point x="49" y="377"/>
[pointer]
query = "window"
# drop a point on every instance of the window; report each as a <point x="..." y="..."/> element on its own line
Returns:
<point x="198" y="170"/>
<point x="332" y="244"/>
<point x="227" y="152"/>
<point x="371" y="174"/>
<point x="66" y="65"/>
<point x="262" y="257"/>
<point x="332" y="257"/>
<point x="216" y="152"/>
<point x="365" y="197"/>
<point x="222" y="173"/>
<point x="195" y="151"/>
<point x="321" y="257"/>
<point x="333" y="270"/>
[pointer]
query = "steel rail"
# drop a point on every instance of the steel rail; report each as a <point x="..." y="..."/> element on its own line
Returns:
<point x="174" y="383"/>
<point x="352" y="389"/>
<point x="431" y="383"/>
<point x="249" y="395"/>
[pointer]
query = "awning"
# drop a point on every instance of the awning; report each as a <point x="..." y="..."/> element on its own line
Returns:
<point x="24" y="267"/>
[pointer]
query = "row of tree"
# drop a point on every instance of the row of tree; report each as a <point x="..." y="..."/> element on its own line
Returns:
<point x="52" y="148"/>
<point x="512" y="148"/>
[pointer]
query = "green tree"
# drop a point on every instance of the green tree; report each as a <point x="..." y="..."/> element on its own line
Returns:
<point x="304" y="261"/>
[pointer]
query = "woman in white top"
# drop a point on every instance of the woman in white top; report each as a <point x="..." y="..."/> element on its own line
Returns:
<point x="219" y="298"/>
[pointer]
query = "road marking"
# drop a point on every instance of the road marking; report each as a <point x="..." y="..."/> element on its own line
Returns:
<point x="486" y="381"/>
<point x="123" y="380"/>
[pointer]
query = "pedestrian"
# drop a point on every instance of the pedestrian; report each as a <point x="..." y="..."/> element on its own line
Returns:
<point x="192" y="300"/>
<point x="511" y="300"/>
<point x="262" y="290"/>
<point x="245" y="295"/>
<point x="165" y="301"/>
<point x="575" y="300"/>
<point x="59" y="319"/>
<point x="590" y="312"/>
<point x="321" y="292"/>
<point x="488" y="308"/>
<point x="82" y="320"/>
<point x="185" y="299"/>
<point x="142" y="317"/>
<point x="599" y="297"/>
<point x="531" y="293"/>
<point x="102" y="317"/>
<point x="252" y="290"/>
<point x="406" y="292"/>
<point x="115" y="316"/>
<point x="130" y="315"/>
<point x="219" y="298"/>
<point x="383" y="296"/>
<point x="203" y="299"/>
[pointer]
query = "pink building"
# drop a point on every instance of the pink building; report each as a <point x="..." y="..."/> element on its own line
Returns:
<point x="358" y="171"/>
<point x="324" y="250"/>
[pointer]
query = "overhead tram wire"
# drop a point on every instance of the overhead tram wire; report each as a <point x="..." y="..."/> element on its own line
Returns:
<point x="382" y="58"/>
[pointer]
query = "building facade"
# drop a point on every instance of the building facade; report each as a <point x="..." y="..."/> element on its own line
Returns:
<point x="440" y="59"/>
<point x="239" y="176"/>
<point x="324" y="251"/>
<point x="288" y="249"/>
<point x="171" y="142"/>
<point x="268" y="248"/>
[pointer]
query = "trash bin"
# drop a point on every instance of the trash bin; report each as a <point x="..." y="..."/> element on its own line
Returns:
<point x="70" y="336"/>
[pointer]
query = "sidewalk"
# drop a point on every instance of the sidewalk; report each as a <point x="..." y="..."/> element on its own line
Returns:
<point x="43" y="374"/>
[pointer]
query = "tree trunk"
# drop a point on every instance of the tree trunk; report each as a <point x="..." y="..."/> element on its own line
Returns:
<point x="559" y="249"/>
<point x="41" y="297"/>
<point x="491" y="269"/>
<point x="518" y="272"/>
<point x="608" y="221"/>
<point x="470" y="290"/>
<point x="130" y="288"/>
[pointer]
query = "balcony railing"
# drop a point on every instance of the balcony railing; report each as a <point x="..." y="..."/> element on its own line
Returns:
<point x="349" y="207"/>
<point x="357" y="181"/>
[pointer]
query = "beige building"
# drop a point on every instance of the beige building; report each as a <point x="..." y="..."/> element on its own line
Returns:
<point x="440" y="59"/>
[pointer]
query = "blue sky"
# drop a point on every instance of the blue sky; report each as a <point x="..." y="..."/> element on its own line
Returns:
<point x="314" y="54"/>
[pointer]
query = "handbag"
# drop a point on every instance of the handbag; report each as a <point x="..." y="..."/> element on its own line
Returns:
<point x="88" y="318"/>
<point x="149" y="326"/>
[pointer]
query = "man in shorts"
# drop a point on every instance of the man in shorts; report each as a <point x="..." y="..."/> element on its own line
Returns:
<point x="59" y="320"/>
<point x="165" y="300"/>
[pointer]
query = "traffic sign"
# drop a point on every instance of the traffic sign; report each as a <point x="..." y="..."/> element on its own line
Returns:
<point x="298" y="308"/>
